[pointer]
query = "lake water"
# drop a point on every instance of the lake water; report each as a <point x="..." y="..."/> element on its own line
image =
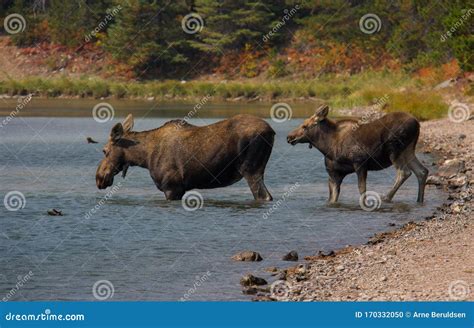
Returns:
<point x="152" y="249"/>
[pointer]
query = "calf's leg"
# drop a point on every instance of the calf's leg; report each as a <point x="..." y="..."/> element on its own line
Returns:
<point x="334" y="183"/>
<point x="403" y="171"/>
<point x="403" y="174"/>
<point x="421" y="173"/>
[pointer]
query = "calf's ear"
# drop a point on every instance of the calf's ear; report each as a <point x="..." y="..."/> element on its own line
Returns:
<point x="322" y="112"/>
<point x="117" y="132"/>
<point x="128" y="123"/>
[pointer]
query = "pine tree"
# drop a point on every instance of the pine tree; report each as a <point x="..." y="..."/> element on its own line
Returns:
<point x="148" y="36"/>
<point x="231" y="24"/>
<point x="458" y="33"/>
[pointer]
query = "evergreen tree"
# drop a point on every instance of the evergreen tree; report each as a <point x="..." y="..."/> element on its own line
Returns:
<point x="458" y="33"/>
<point x="231" y="24"/>
<point x="148" y="35"/>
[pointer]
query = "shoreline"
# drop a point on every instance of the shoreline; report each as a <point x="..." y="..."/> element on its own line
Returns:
<point x="394" y="91"/>
<point x="431" y="259"/>
<point x="168" y="98"/>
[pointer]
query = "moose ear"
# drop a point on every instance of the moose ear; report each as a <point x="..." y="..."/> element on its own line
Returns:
<point x="322" y="112"/>
<point x="128" y="123"/>
<point x="117" y="132"/>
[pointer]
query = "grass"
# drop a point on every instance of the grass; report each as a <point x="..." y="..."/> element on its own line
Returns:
<point x="401" y="91"/>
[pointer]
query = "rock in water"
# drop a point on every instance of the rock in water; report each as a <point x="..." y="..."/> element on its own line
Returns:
<point x="250" y="291"/>
<point x="247" y="256"/>
<point x="251" y="280"/>
<point x="90" y="140"/>
<point x="55" y="212"/>
<point x="291" y="256"/>
<point x="271" y="269"/>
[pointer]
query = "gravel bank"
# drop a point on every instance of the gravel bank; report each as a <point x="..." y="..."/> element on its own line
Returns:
<point x="429" y="260"/>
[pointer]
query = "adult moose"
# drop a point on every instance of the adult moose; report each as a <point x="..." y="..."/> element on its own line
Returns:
<point x="181" y="156"/>
<point x="349" y="147"/>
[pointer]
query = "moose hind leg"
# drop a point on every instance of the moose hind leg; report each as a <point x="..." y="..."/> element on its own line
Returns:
<point x="255" y="158"/>
<point x="421" y="173"/>
<point x="362" y="180"/>
<point x="258" y="188"/>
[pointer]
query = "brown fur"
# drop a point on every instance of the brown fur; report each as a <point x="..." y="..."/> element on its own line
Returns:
<point x="349" y="147"/>
<point x="181" y="156"/>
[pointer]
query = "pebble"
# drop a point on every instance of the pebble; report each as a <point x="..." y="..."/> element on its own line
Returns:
<point x="458" y="182"/>
<point x="339" y="268"/>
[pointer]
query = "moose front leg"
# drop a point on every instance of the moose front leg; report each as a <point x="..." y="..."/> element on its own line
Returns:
<point x="173" y="189"/>
<point x="334" y="183"/>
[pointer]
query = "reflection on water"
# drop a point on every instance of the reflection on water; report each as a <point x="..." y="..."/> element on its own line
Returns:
<point x="152" y="249"/>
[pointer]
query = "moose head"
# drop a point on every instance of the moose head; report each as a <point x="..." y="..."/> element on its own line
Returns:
<point x="115" y="154"/>
<point x="309" y="131"/>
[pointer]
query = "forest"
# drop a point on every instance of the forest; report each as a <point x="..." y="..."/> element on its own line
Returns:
<point x="150" y="39"/>
<point x="345" y="53"/>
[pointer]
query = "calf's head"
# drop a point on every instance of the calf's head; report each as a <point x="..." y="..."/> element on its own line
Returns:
<point x="310" y="129"/>
<point x="114" y="160"/>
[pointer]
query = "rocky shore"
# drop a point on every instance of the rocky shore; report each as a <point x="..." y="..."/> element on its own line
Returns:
<point x="428" y="260"/>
